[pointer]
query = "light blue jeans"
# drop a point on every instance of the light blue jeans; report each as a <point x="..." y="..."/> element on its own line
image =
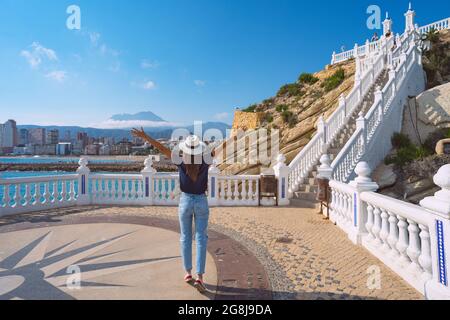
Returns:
<point x="194" y="207"/>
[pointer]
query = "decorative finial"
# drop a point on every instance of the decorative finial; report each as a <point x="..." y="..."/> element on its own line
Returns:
<point x="363" y="171"/>
<point x="410" y="6"/>
<point x="281" y="159"/>
<point x="387" y="15"/>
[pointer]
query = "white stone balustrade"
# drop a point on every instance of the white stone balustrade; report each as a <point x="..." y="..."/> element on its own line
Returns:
<point x="409" y="239"/>
<point x="360" y="51"/>
<point x="29" y="194"/>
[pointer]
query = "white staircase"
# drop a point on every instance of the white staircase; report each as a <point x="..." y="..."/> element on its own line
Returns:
<point x="387" y="72"/>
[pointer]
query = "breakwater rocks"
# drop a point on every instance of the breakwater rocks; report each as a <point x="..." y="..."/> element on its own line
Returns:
<point x="72" y="167"/>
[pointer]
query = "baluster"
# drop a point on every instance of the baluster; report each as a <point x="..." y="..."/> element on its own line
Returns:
<point x="349" y="209"/>
<point x="132" y="187"/>
<point x="177" y="188"/>
<point x="165" y="189"/>
<point x="95" y="188"/>
<point x="376" y="229"/>
<point x="17" y="196"/>
<point x="126" y="183"/>
<point x="140" y="191"/>
<point x="344" y="208"/>
<point x="33" y="193"/>
<point x="155" y="182"/>
<point x="244" y="190"/>
<point x="27" y="197"/>
<point x="46" y="193"/>
<point x="425" y="256"/>
<point x="173" y="183"/>
<point x="370" y="223"/>
<point x="72" y="190"/>
<point x="120" y="193"/>
<point x="63" y="191"/>
<point x="39" y="194"/>
<point x="6" y="196"/>
<point x="402" y="244"/>
<point x="55" y="192"/>
<point x="229" y="194"/>
<point x="384" y="233"/>
<point x="236" y="191"/>
<point x="107" y="191"/>
<point x="251" y="194"/>
<point x="393" y="236"/>
<point x="114" y="185"/>
<point x="413" y="250"/>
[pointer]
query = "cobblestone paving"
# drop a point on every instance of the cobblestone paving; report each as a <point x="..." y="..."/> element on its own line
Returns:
<point x="305" y="256"/>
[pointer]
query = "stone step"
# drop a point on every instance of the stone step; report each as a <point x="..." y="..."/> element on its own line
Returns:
<point x="306" y="188"/>
<point x="297" y="203"/>
<point x="301" y="195"/>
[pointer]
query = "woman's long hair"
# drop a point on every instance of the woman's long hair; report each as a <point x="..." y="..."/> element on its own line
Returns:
<point x="192" y="167"/>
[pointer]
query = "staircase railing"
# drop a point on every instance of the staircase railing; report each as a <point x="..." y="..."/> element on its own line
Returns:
<point x="371" y="142"/>
<point x="357" y="51"/>
<point x="370" y="69"/>
<point x="438" y="26"/>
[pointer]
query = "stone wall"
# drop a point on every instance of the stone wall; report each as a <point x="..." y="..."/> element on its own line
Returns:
<point x="247" y="120"/>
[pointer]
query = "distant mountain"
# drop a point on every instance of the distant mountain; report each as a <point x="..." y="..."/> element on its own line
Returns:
<point x="142" y="116"/>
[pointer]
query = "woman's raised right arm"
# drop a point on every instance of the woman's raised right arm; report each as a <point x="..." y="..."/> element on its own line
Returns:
<point x="141" y="134"/>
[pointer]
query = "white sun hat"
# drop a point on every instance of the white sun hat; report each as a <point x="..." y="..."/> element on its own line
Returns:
<point x="193" y="146"/>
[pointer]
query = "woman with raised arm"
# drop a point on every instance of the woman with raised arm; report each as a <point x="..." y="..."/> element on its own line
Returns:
<point x="193" y="166"/>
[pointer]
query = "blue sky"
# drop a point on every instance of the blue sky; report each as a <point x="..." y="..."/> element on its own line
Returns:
<point x="184" y="60"/>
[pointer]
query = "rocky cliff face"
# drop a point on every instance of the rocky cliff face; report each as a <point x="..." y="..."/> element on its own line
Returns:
<point x="295" y="110"/>
<point x="436" y="62"/>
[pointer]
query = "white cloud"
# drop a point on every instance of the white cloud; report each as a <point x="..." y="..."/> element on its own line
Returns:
<point x="222" y="116"/>
<point x="58" y="76"/>
<point x="146" y="64"/>
<point x="148" y="85"/>
<point x="114" y="124"/>
<point x="37" y="54"/>
<point x="200" y="83"/>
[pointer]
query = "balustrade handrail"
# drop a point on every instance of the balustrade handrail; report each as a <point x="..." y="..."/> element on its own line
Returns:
<point x="360" y="50"/>
<point x="344" y="187"/>
<point x="37" y="179"/>
<point x="438" y="25"/>
<point x="401" y="208"/>
<point x="305" y="149"/>
<point x="238" y="177"/>
<point x="114" y="176"/>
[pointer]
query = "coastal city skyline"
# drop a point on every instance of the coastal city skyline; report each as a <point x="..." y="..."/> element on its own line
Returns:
<point x="40" y="141"/>
<point x="194" y="70"/>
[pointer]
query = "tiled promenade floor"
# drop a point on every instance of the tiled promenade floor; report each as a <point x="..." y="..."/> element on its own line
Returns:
<point x="304" y="257"/>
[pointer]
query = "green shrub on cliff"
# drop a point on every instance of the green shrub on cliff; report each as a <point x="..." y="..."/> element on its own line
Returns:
<point x="292" y="89"/>
<point x="307" y="78"/>
<point x="335" y="80"/>
<point x="251" y="108"/>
